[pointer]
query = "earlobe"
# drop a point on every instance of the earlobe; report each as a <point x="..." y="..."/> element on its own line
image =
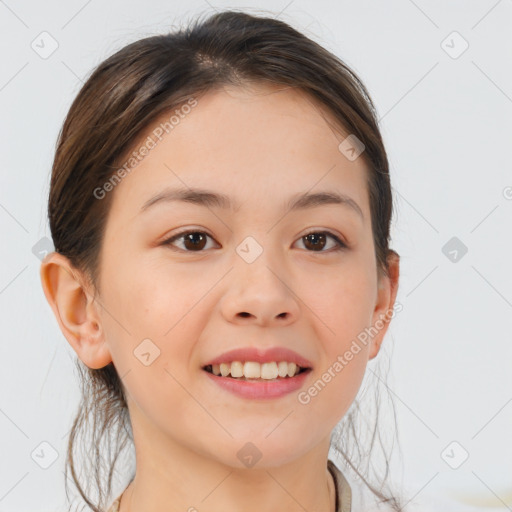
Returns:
<point x="386" y="296"/>
<point x="69" y="295"/>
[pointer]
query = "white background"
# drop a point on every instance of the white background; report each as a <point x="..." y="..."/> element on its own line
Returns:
<point x="447" y="125"/>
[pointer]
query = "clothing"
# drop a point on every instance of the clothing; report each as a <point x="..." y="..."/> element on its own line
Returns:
<point x="115" y="506"/>
<point x="343" y="491"/>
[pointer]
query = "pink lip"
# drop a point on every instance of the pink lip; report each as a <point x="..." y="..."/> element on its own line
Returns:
<point x="259" y="390"/>
<point x="261" y="356"/>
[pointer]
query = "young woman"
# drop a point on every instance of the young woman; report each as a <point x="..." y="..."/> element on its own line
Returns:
<point x="220" y="207"/>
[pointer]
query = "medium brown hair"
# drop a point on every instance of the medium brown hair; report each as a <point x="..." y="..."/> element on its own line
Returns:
<point x="116" y="105"/>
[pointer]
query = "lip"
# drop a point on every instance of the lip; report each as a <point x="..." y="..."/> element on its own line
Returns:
<point x="260" y="390"/>
<point x="261" y="356"/>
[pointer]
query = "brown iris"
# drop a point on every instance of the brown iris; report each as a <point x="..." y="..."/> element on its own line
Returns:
<point x="317" y="240"/>
<point x="197" y="240"/>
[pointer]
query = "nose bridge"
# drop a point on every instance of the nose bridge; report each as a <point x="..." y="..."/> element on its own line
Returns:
<point x="258" y="284"/>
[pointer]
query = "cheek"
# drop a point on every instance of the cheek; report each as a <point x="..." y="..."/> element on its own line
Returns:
<point x="151" y="324"/>
<point x="153" y="338"/>
<point x="344" y="308"/>
<point x="343" y="302"/>
<point x="150" y="301"/>
<point x="343" y="367"/>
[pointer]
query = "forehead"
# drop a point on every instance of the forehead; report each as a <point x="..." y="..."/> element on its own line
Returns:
<point x="257" y="141"/>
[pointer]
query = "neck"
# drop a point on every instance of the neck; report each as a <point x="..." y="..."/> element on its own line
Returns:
<point x="188" y="482"/>
<point x="268" y="496"/>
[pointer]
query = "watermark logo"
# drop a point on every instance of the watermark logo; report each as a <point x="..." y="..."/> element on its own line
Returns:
<point x="44" y="455"/>
<point x="351" y="147"/>
<point x="455" y="455"/>
<point x="454" y="249"/>
<point x="146" y="352"/>
<point x="454" y="45"/>
<point x="42" y="248"/>
<point x="249" y="454"/>
<point x="45" y="45"/>
<point x="249" y="249"/>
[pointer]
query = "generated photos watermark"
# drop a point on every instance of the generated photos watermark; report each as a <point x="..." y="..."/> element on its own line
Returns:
<point x="304" y="397"/>
<point x="150" y="143"/>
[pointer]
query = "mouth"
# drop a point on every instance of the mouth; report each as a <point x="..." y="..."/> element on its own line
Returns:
<point x="255" y="376"/>
<point x="255" y="371"/>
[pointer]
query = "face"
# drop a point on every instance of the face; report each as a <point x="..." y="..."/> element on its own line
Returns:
<point x="256" y="274"/>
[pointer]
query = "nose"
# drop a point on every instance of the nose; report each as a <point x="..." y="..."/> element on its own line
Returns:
<point x="260" y="293"/>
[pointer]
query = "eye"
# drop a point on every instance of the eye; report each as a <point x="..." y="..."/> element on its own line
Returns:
<point x="317" y="241"/>
<point x="193" y="240"/>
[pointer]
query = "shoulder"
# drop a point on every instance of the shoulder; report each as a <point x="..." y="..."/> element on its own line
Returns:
<point x="427" y="503"/>
<point x="362" y="498"/>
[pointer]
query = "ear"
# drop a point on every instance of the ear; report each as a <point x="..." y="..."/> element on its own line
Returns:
<point x="70" y="296"/>
<point x="386" y="295"/>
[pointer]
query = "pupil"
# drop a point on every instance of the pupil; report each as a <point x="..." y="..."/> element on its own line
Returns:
<point x="192" y="237"/>
<point x="316" y="237"/>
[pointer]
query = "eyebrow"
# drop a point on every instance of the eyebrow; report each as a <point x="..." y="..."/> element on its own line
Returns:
<point x="212" y="199"/>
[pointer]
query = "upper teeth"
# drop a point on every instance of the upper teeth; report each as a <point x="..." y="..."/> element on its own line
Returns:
<point x="254" y="370"/>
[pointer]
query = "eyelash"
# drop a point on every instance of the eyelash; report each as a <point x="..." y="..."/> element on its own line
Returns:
<point x="339" y="244"/>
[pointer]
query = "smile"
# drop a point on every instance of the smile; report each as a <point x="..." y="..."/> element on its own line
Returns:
<point x="272" y="381"/>
<point x="252" y="370"/>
